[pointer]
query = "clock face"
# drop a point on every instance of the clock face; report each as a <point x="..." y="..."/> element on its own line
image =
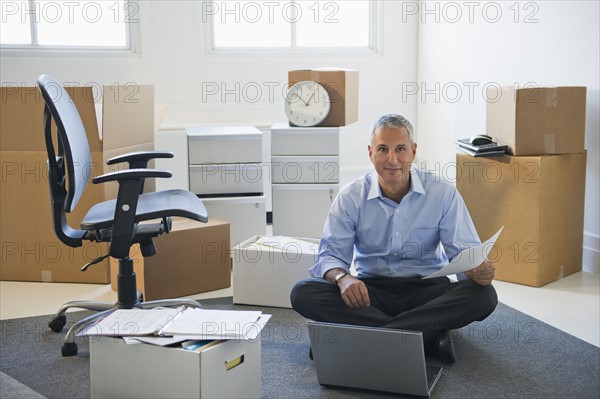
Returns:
<point x="307" y="104"/>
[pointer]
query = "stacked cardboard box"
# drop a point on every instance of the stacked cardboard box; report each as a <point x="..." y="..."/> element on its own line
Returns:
<point x="537" y="192"/>
<point x="342" y="87"/>
<point x="538" y="120"/>
<point x="30" y="250"/>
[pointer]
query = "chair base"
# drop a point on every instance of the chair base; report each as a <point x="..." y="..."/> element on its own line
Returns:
<point x="128" y="298"/>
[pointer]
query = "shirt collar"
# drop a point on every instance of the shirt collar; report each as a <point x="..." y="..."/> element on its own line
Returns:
<point x="375" y="190"/>
<point x="415" y="180"/>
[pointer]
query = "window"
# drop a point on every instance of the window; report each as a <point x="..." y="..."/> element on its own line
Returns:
<point x="304" y="24"/>
<point x="81" y="24"/>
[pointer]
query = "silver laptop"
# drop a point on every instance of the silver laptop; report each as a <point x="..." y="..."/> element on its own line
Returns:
<point x="370" y="358"/>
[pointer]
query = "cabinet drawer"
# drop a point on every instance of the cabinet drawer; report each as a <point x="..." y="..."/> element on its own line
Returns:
<point x="224" y="144"/>
<point x="210" y="179"/>
<point x="304" y="141"/>
<point x="297" y="169"/>
<point x="300" y="210"/>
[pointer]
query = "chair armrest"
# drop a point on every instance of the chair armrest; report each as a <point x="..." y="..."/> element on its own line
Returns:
<point x="131" y="175"/>
<point x="139" y="159"/>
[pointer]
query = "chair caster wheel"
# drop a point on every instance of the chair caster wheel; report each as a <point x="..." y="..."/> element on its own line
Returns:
<point x="69" y="349"/>
<point x="57" y="323"/>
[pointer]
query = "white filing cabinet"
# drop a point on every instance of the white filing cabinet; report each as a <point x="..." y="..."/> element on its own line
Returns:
<point x="305" y="177"/>
<point x="296" y="169"/>
<point x="225" y="160"/>
<point x="225" y="169"/>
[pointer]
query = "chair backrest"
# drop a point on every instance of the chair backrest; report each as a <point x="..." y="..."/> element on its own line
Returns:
<point x="70" y="167"/>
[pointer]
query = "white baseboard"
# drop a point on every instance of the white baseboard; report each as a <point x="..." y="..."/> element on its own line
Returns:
<point x="591" y="253"/>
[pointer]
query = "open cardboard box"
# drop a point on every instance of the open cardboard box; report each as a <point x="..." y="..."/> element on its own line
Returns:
<point x="228" y="369"/>
<point x="30" y="250"/>
<point x="266" y="275"/>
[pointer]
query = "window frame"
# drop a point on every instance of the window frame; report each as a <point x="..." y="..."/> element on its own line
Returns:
<point x="374" y="47"/>
<point x="132" y="41"/>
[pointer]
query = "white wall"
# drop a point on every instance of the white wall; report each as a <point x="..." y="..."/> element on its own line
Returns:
<point x="552" y="43"/>
<point x="174" y="57"/>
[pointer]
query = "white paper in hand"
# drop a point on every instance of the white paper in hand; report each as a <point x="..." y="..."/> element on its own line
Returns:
<point x="468" y="259"/>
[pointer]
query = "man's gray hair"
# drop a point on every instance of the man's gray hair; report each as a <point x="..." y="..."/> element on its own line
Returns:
<point x="393" y="121"/>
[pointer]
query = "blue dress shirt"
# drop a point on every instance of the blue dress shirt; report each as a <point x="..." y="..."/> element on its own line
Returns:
<point x="411" y="239"/>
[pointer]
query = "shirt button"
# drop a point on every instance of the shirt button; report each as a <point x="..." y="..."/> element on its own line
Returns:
<point x="397" y="233"/>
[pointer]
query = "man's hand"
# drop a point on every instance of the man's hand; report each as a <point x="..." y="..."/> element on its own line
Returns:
<point x="482" y="274"/>
<point x="354" y="292"/>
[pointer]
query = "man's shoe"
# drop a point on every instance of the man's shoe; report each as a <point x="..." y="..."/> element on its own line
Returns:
<point x="445" y="347"/>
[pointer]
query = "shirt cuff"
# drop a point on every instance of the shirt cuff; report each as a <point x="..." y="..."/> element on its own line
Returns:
<point x="323" y="265"/>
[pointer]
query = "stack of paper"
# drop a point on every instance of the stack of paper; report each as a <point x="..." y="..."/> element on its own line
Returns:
<point x="217" y="324"/>
<point x="180" y="324"/>
<point x="133" y="322"/>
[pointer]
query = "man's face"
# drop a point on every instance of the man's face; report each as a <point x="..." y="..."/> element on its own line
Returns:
<point x="392" y="154"/>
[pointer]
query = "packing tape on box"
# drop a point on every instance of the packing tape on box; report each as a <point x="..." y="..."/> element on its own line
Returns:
<point x="549" y="143"/>
<point x="551" y="97"/>
<point x="46" y="276"/>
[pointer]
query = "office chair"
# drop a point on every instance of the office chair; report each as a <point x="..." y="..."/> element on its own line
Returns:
<point x="117" y="222"/>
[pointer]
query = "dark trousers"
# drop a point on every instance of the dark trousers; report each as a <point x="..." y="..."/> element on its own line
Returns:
<point x="430" y="306"/>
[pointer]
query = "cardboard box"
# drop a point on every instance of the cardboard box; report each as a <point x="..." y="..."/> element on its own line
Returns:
<point x="118" y="370"/>
<point x="342" y="87"/>
<point x="265" y="275"/>
<point x="537" y="121"/>
<point x="539" y="200"/>
<point x="194" y="257"/>
<point x="30" y="249"/>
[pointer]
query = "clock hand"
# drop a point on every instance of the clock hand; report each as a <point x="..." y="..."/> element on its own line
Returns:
<point x="310" y="99"/>
<point x="300" y="98"/>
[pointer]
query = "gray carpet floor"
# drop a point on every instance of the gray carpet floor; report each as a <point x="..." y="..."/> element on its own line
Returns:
<point x="11" y="388"/>
<point x="509" y="355"/>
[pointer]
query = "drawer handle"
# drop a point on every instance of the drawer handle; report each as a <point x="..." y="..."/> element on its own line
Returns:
<point x="229" y="365"/>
